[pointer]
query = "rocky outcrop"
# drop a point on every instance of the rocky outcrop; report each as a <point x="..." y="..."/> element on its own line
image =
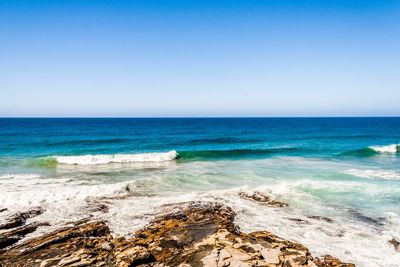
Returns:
<point x="263" y="199"/>
<point x="194" y="234"/>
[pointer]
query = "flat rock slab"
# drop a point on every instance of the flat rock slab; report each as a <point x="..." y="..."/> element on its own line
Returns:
<point x="195" y="234"/>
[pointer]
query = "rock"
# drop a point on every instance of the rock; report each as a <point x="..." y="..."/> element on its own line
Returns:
<point x="20" y="218"/>
<point x="106" y="246"/>
<point x="263" y="199"/>
<point x="3" y="209"/>
<point x="62" y="245"/>
<point x="298" y="221"/>
<point x="330" y="261"/>
<point x="396" y="244"/>
<point x="194" y="234"/>
<point x="11" y="237"/>
<point x="365" y="219"/>
<point x="8" y="241"/>
<point x="321" y="218"/>
<point x="96" y="206"/>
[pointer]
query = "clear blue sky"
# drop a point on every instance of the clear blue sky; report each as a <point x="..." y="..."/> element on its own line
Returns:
<point x="199" y="58"/>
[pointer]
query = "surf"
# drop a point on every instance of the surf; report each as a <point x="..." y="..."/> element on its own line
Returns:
<point x="388" y="149"/>
<point x="373" y="151"/>
<point x="116" y="158"/>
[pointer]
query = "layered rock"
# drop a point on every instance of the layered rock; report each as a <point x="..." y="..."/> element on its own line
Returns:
<point x="195" y="234"/>
<point x="14" y="228"/>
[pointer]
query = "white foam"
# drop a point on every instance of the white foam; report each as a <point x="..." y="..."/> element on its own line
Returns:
<point x="374" y="174"/>
<point x="389" y="149"/>
<point x="117" y="158"/>
<point x="70" y="195"/>
<point x="22" y="176"/>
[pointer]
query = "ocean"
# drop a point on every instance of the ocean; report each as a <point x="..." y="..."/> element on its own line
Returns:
<point x="344" y="169"/>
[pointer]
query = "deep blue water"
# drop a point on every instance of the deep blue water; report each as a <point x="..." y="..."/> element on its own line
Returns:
<point x="244" y="137"/>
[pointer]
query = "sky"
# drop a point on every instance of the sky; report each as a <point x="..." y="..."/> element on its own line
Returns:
<point x="184" y="58"/>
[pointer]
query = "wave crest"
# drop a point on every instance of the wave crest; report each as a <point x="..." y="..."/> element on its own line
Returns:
<point x="373" y="150"/>
<point x="116" y="158"/>
<point x="388" y="149"/>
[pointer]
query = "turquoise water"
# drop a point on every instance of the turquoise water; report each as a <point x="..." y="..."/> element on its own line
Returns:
<point x="347" y="169"/>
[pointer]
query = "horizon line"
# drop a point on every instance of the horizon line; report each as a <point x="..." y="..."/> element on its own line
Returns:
<point x="193" y="117"/>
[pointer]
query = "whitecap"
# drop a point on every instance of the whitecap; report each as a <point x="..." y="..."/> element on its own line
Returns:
<point x="117" y="158"/>
<point x="388" y="149"/>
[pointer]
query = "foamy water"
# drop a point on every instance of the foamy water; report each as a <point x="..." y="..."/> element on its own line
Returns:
<point x="390" y="149"/>
<point x="117" y="158"/>
<point x="353" y="235"/>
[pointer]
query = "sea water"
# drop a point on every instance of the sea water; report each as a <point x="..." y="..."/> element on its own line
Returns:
<point x="340" y="176"/>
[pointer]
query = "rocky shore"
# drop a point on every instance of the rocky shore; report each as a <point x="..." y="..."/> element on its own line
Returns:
<point x="193" y="234"/>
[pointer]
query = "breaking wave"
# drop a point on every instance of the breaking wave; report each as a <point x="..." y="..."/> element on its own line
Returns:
<point x="389" y="149"/>
<point x="116" y="158"/>
<point x="195" y="155"/>
<point x="374" y="150"/>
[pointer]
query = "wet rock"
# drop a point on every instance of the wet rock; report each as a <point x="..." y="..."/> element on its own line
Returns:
<point x="396" y="244"/>
<point x="194" y="234"/>
<point x="330" y="261"/>
<point x="263" y="199"/>
<point x="298" y="221"/>
<point x="96" y="206"/>
<point x="11" y="237"/>
<point x="62" y="245"/>
<point x="321" y="218"/>
<point x="20" y="218"/>
<point x="3" y="209"/>
<point x="378" y="222"/>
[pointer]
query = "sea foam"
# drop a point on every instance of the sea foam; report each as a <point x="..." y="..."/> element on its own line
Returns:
<point x="375" y="174"/>
<point x="388" y="149"/>
<point x="117" y="158"/>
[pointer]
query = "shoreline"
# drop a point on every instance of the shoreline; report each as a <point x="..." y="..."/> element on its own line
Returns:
<point x="194" y="234"/>
<point x="279" y="218"/>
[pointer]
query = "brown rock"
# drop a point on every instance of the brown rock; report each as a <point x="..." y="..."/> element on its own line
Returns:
<point x="195" y="234"/>
<point x="330" y="261"/>
<point x="396" y="244"/>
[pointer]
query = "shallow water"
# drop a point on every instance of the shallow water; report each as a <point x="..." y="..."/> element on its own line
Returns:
<point x="344" y="169"/>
